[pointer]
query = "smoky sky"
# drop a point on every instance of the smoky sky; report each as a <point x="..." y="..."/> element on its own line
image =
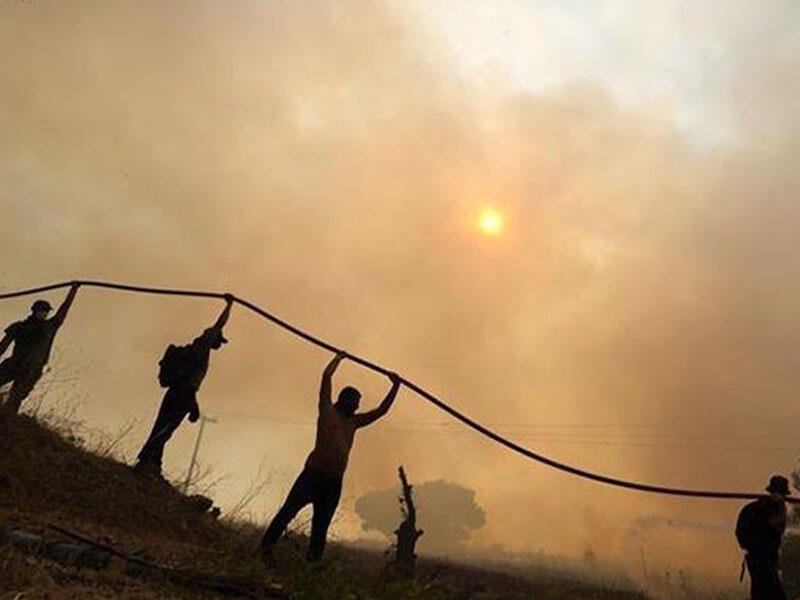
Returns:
<point x="638" y="317"/>
<point x="449" y="513"/>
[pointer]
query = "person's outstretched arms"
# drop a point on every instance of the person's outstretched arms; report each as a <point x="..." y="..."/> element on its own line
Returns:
<point x="226" y="312"/>
<point x="5" y="343"/>
<point x="61" y="313"/>
<point x="327" y="375"/>
<point x="364" y="419"/>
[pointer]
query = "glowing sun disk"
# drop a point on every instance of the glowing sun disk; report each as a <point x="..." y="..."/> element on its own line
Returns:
<point x="490" y="222"/>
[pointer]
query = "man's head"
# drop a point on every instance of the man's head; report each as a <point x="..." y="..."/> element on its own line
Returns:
<point x="216" y="338"/>
<point x="778" y="484"/>
<point x="348" y="401"/>
<point x="40" y="309"/>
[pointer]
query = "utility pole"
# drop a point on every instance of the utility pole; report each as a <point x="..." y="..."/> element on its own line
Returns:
<point x="203" y="420"/>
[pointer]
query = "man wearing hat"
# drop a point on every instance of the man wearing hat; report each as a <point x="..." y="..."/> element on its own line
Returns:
<point x="760" y="531"/>
<point x="33" y="340"/>
<point x="180" y="399"/>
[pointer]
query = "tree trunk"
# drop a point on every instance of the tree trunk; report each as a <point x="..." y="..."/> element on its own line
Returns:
<point x="407" y="533"/>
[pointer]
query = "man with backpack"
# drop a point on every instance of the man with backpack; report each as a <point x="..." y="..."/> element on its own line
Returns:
<point x="759" y="531"/>
<point x="33" y="341"/>
<point x="181" y="371"/>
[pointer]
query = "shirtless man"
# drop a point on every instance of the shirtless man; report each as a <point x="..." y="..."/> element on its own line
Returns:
<point x="320" y="482"/>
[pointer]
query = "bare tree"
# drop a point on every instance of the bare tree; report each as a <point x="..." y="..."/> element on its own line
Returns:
<point x="405" y="561"/>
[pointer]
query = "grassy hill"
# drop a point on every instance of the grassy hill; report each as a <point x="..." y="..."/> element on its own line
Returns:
<point x="47" y="478"/>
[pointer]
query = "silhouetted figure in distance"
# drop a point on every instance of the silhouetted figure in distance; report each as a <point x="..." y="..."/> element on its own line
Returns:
<point x="759" y="530"/>
<point x="320" y="482"/>
<point x="187" y="367"/>
<point x="33" y="341"/>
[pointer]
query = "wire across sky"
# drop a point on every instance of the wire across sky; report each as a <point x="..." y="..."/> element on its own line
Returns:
<point x="429" y="397"/>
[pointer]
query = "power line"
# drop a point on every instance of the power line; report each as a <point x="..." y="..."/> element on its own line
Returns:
<point x="528" y="430"/>
<point x="547" y="438"/>
<point x="431" y="398"/>
<point x="546" y="433"/>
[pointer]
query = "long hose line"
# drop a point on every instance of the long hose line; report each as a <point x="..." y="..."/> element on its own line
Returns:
<point x="440" y="404"/>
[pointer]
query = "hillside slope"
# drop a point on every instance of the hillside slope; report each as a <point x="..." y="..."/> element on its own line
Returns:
<point x="46" y="478"/>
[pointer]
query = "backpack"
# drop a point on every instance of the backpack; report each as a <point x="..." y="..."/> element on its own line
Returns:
<point x="749" y="525"/>
<point x="175" y="365"/>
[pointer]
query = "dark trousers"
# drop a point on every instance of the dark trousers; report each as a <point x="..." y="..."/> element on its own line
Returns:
<point x="24" y="379"/>
<point x="175" y="406"/>
<point x="310" y="487"/>
<point x="765" y="582"/>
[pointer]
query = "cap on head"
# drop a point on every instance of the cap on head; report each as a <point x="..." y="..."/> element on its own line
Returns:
<point x="217" y="338"/>
<point x="41" y="306"/>
<point x="778" y="484"/>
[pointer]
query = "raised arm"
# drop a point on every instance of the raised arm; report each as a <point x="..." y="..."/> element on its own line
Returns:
<point x="364" y="419"/>
<point x="226" y="312"/>
<point x="325" y="385"/>
<point x="62" y="311"/>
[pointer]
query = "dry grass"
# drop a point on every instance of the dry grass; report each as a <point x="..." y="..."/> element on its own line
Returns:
<point x="46" y="476"/>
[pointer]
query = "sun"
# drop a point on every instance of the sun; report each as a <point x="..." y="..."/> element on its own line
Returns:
<point x="490" y="222"/>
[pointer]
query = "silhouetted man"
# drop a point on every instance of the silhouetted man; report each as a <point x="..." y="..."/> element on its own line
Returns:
<point x="33" y="340"/>
<point x="180" y="400"/>
<point x="320" y="482"/>
<point x="759" y="529"/>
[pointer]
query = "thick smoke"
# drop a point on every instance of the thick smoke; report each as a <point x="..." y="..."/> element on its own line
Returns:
<point x="446" y="512"/>
<point x="640" y="317"/>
